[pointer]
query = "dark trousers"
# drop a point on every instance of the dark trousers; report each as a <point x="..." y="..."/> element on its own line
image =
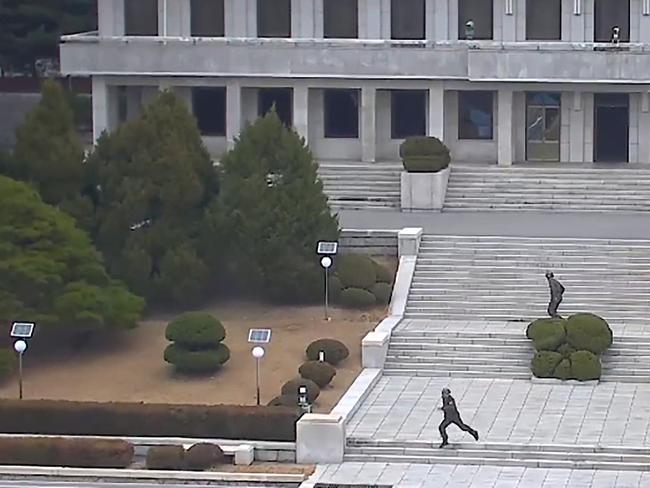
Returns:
<point x="553" y="306"/>
<point x="452" y="420"/>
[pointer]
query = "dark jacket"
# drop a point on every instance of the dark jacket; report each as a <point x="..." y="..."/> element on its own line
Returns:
<point x="449" y="408"/>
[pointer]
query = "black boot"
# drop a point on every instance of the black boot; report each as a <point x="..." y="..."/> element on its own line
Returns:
<point x="474" y="434"/>
<point x="444" y="443"/>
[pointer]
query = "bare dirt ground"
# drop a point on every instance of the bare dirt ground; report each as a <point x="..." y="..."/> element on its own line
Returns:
<point x="131" y="367"/>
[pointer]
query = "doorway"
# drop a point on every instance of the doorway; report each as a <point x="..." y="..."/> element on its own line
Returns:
<point x="611" y="127"/>
<point x="543" y="126"/>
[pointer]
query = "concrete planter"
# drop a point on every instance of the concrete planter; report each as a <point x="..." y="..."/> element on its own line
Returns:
<point x="423" y="191"/>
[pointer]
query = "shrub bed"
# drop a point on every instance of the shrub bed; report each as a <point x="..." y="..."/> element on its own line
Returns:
<point x="203" y="456"/>
<point x="589" y="332"/>
<point x="424" y="155"/>
<point x="56" y="417"/>
<point x="319" y="372"/>
<point x="356" y="271"/>
<point x="382" y="292"/>
<point x="166" y="457"/>
<point x="357" y="298"/>
<point x="290" y="388"/>
<point x="335" y="351"/>
<point x="73" y="453"/>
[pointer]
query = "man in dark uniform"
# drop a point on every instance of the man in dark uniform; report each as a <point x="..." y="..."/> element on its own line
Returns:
<point x="557" y="290"/>
<point x="452" y="417"/>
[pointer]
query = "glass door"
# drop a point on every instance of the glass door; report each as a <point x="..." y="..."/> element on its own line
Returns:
<point x="543" y="127"/>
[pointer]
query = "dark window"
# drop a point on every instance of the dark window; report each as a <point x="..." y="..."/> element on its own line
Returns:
<point x="610" y="14"/>
<point x="341" y="113"/>
<point x="477" y="12"/>
<point x="407" y="19"/>
<point x="273" y="18"/>
<point x="209" y="106"/>
<point x="341" y="19"/>
<point x="475" y="114"/>
<point x="141" y="17"/>
<point x="281" y="98"/>
<point x="408" y="113"/>
<point x="207" y="18"/>
<point x="544" y="20"/>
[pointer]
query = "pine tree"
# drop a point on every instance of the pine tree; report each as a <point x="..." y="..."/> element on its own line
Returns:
<point x="273" y="209"/>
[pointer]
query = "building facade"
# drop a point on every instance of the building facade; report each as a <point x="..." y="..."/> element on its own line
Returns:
<point x="499" y="81"/>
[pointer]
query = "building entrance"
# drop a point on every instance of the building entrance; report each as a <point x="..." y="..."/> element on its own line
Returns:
<point x="542" y="126"/>
<point x="611" y="127"/>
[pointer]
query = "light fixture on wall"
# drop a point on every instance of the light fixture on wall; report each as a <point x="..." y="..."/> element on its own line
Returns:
<point x="646" y="7"/>
<point x="577" y="7"/>
<point x="509" y="10"/>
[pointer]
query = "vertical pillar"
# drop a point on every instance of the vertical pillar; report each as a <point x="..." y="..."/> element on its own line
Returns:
<point x="100" y="101"/>
<point x="429" y="20"/>
<point x="504" y="128"/>
<point x="233" y="112"/>
<point x="369" y="124"/>
<point x="442" y="12"/>
<point x="369" y="19"/>
<point x="301" y="110"/>
<point x="436" y="126"/>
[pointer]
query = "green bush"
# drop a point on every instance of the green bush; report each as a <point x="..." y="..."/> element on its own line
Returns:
<point x="166" y="457"/>
<point x="547" y="334"/>
<point x="424" y="155"/>
<point x="203" y="456"/>
<point x="356" y="271"/>
<point x="566" y="350"/>
<point x="357" y="298"/>
<point x="544" y="363"/>
<point x="563" y="370"/>
<point x="284" y="401"/>
<point x="195" y="329"/>
<point x="74" y="453"/>
<point x="585" y="366"/>
<point x="586" y="331"/>
<point x="382" y="292"/>
<point x="7" y="362"/>
<point x="319" y="372"/>
<point x="291" y="388"/>
<point x="384" y="275"/>
<point x="56" y="417"/>
<point x="196" y="362"/>
<point x="335" y="351"/>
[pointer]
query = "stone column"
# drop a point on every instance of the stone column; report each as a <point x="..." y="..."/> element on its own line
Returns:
<point x="110" y="15"/>
<point x="100" y="100"/>
<point x="369" y="19"/>
<point x="504" y="128"/>
<point x="368" y="124"/>
<point x="233" y="112"/>
<point x="436" y="126"/>
<point x="301" y="110"/>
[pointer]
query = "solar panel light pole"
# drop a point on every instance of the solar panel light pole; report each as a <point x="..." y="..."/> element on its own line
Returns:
<point x="258" y="353"/>
<point x="21" y="331"/>
<point x="303" y="399"/>
<point x="326" y="250"/>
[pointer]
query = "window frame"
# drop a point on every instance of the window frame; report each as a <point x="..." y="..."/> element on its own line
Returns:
<point x="330" y="3"/>
<point x="394" y="5"/>
<point x="529" y="23"/>
<point x="356" y="95"/>
<point x="206" y="106"/>
<point x="260" y="17"/>
<point x="462" y="97"/>
<point x="221" y="30"/>
<point x="394" y="133"/>
<point x="128" y="4"/>
<point x="461" y="23"/>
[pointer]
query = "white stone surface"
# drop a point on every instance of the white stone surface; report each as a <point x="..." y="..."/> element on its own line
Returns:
<point x="244" y="454"/>
<point x="357" y="393"/>
<point x="408" y="241"/>
<point x="320" y="438"/>
<point x="423" y="191"/>
<point x="374" y="347"/>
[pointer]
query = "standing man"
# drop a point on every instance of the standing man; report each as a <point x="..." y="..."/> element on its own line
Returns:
<point x="557" y="290"/>
<point x="452" y="417"/>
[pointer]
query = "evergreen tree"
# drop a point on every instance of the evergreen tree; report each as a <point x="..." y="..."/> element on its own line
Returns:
<point x="50" y="271"/>
<point x="273" y="209"/>
<point x="153" y="179"/>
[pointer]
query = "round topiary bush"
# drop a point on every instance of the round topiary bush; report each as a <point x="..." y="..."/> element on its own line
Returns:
<point x="424" y="155"/>
<point x="7" y="361"/>
<point x="566" y="350"/>
<point x="589" y="332"/>
<point x="547" y="334"/>
<point x="382" y="292"/>
<point x="356" y="271"/>
<point x="203" y="456"/>
<point x="197" y="362"/>
<point x="166" y="457"/>
<point x="195" y="329"/>
<point x="384" y="275"/>
<point x="544" y="363"/>
<point x="319" y="372"/>
<point x="290" y="388"/>
<point x="585" y="366"/>
<point x="335" y="351"/>
<point x="284" y="401"/>
<point x="563" y="370"/>
<point x="357" y="298"/>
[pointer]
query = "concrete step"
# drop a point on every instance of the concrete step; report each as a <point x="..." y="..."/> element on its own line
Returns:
<point x="429" y="373"/>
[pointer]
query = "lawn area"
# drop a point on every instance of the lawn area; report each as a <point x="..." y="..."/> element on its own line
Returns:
<point x="131" y="367"/>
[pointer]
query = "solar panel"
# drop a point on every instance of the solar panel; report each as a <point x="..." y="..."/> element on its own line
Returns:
<point x="22" y="329"/>
<point x="259" y="336"/>
<point x="327" y="247"/>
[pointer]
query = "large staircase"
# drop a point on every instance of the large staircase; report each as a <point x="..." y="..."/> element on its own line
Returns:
<point x="554" y="187"/>
<point x="354" y="186"/>
<point x="502" y="278"/>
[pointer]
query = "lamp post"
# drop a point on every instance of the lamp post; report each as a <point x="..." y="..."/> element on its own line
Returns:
<point x="326" y="262"/>
<point x="258" y="353"/>
<point x="20" y="347"/>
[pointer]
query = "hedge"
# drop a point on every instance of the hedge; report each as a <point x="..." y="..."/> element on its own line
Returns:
<point x="202" y="361"/>
<point x="55" y="417"/>
<point x="589" y="332"/>
<point x="319" y="372"/>
<point x="203" y="456"/>
<point x="585" y="366"/>
<point x="356" y="271"/>
<point x="72" y="453"/>
<point x="563" y="370"/>
<point x="544" y="363"/>
<point x="195" y="329"/>
<point x="547" y="334"/>
<point x="290" y="388"/>
<point x="382" y="292"/>
<point x="357" y="298"/>
<point x="284" y="401"/>
<point x="384" y="275"/>
<point x="424" y="155"/>
<point x="335" y="351"/>
<point x="166" y="457"/>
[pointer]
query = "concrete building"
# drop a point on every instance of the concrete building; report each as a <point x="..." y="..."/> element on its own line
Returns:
<point x="500" y="81"/>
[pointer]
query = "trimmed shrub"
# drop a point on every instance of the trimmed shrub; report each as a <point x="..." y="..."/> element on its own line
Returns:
<point x="563" y="370"/>
<point x="544" y="363"/>
<point x="291" y="388"/>
<point x="384" y="275"/>
<point x="203" y="456"/>
<point x="335" y="351"/>
<point x="284" y="401"/>
<point x="356" y="271"/>
<point x="196" y="362"/>
<point x="382" y="292"/>
<point x="424" y="155"/>
<point x="73" y="453"/>
<point x="195" y="329"/>
<point x="7" y="362"/>
<point x="55" y="417"/>
<point x="586" y="331"/>
<point x="319" y="372"/>
<point x="166" y="457"/>
<point x="547" y="334"/>
<point x="585" y="366"/>
<point x="566" y="350"/>
<point x="357" y="298"/>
